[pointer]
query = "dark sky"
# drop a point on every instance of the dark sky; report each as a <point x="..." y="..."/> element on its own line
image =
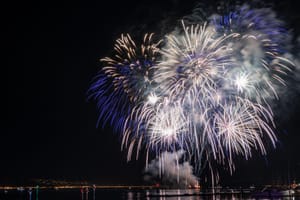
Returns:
<point x="52" y="51"/>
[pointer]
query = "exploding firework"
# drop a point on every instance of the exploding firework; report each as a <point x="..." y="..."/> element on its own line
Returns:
<point x="207" y="91"/>
<point x="259" y="46"/>
<point x="125" y="79"/>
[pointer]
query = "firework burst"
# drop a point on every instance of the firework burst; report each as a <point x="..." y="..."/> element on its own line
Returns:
<point x="207" y="92"/>
<point x="125" y="79"/>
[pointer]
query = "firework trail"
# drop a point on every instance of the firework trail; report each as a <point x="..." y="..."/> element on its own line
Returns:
<point x="206" y="90"/>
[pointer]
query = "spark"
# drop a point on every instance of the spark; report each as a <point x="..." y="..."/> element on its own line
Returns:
<point x="152" y="98"/>
<point x="242" y="82"/>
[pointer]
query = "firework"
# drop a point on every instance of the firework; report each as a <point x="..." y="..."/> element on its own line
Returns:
<point x="124" y="80"/>
<point x="207" y="91"/>
<point x="258" y="48"/>
<point x="191" y="59"/>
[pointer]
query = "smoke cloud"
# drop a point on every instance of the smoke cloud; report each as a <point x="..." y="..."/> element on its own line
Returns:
<point x="168" y="170"/>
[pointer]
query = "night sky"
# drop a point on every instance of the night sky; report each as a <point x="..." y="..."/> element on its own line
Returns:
<point x="52" y="51"/>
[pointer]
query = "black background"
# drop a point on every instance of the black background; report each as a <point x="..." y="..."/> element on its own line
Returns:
<point x="52" y="51"/>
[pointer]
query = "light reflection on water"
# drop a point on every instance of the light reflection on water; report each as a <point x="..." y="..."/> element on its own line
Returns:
<point x="127" y="194"/>
<point x="191" y="194"/>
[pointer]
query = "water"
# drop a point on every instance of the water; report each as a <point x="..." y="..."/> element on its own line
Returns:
<point x="124" y="194"/>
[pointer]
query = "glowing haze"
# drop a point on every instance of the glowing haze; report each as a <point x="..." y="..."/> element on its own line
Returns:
<point x="205" y="90"/>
